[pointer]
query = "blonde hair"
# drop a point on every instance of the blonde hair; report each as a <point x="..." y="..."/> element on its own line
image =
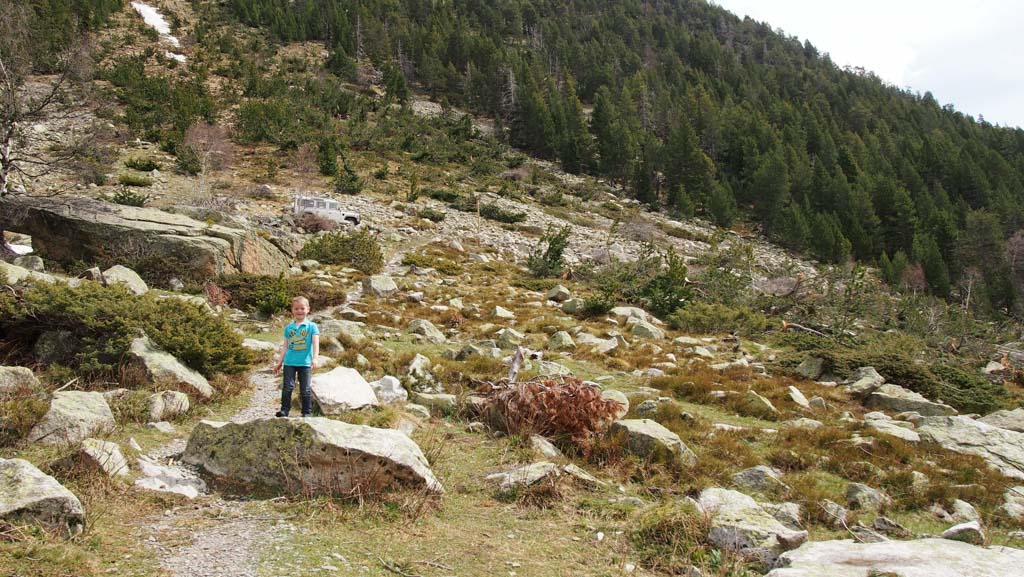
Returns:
<point x="302" y="300"/>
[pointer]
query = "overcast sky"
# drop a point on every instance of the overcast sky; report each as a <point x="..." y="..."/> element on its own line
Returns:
<point x="969" y="54"/>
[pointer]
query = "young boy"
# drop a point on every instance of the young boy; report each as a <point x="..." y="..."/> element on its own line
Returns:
<point x="299" y="352"/>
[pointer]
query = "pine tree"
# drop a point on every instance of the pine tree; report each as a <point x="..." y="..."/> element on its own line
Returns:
<point x="722" y="205"/>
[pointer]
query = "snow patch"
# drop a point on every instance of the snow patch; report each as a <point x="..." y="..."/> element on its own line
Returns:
<point x="155" y="20"/>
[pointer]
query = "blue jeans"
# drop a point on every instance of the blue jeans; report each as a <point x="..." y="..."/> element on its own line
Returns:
<point x="305" y="391"/>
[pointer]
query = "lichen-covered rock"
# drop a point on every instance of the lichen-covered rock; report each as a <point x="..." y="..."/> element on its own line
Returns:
<point x="1009" y="420"/>
<point x="545" y="447"/>
<point x="167" y="404"/>
<point x="101" y="456"/>
<point x="860" y="496"/>
<point x="620" y="398"/>
<point x="561" y="340"/>
<point x="73" y="416"/>
<point x="342" y="389"/>
<point x="12" y="378"/>
<point x="509" y="338"/>
<point x="918" y="558"/>
<point x="163" y="369"/>
<point x="759" y="405"/>
<point x="29" y="495"/>
<point x="315" y="455"/>
<point x="55" y="346"/>
<point x="503" y="313"/>
<point x="893" y="429"/>
<point x="168" y="479"/>
<point x="864" y="381"/>
<point x="898" y="400"/>
<point x="760" y="478"/>
<point x="427" y="329"/>
<point x="738" y="523"/>
<point x="573" y="306"/>
<point x="379" y="285"/>
<point x="342" y="329"/>
<point x="645" y="330"/>
<point x="811" y="368"/>
<point x="649" y="439"/>
<point x="125" y="276"/>
<point x="525" y="475"/>
<point x="798" y="397"/>
<point x="1001" y="448"/>
<point x="558" y="293"/>
<point x="1013" y="503"/>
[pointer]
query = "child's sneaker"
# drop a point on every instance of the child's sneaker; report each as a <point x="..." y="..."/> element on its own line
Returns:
<point x="280" y="414"/>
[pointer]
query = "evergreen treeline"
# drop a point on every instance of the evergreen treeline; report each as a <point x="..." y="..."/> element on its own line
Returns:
<point x="695" y="110"/>
<point x="54" y="23"/>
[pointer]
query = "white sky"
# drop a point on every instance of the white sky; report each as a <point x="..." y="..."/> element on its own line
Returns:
<point x="968" y="54"/>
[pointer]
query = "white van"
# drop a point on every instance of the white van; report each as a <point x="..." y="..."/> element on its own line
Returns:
<point x="325" y="208"/>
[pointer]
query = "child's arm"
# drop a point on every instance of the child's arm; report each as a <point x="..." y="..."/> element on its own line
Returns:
<point x="316" y="349"/>
<point x="280" y="361"/>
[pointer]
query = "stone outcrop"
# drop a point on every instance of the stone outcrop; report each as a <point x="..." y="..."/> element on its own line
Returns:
<point x="1010" y="420"/>
<point x="126" y="277"/>
<point x="98" y="455"/>
<point x="898" y="400"/>
<point x="313" y="455"/>
<point x="740" y="524"/>
<point x="12" y="378"/>
<point x="73" y="228"/>
<point x="342" y="389"/>
<point x="1001" y="448"/>
<point x="73" y="417"/>
<point x="163" y="369"/>
<point x="28" y="494"/>
<point x="919" y="558"/>
<point x="167" y="404"/>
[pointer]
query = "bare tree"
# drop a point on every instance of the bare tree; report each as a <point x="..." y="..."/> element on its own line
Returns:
<point x="209" y="148"/>
<point x="29" y="150"/>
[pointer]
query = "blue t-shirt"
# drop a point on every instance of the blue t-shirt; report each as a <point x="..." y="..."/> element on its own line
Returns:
<point x="300" y="343"/>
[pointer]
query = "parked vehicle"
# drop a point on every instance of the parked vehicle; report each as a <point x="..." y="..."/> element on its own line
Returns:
<point x="324" y="208"/>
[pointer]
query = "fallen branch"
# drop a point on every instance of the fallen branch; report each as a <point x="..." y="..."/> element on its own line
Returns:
<point x="787" y="326"/>
<point x="395" y="569"/>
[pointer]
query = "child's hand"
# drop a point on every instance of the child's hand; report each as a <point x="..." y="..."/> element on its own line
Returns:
<point x="277" y="368"/>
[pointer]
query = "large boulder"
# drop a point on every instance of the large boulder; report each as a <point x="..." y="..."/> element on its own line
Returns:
<point x="740" y="524"/>
<point x="650" y="439"/>
<point x="71" y="229"/>
<point x="73" y="416"/>
<point x="12" y="378"/>
<point x="919" y="558"/>
<point x="167" y="404"/>
<point x="389" y="390"/>
<point x="350" y="330"/>
<point x="28" y="494"/>
<point x="645" y="330"/>
<point x="899" y="400"/>
<point x="342" y="389"/>
<point x="162" y="369"/>
<point x="1010" y="420"/>
<point x="379" y="285"/>
<point x="99" y="455"/>
<point x="428" y="331"/>
<point x="13" y="274"/>
<point x="313" y="455"/>
<point x="1001" y="448"/>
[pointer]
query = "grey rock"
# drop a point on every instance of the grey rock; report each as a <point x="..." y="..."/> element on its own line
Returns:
<point x="379" y="285"/>
<point x="163" y="427"/>
<point x="545" y="448"/>
<point x="53" y="347"/>
<point x="804" y="423"/>
<point x="797" y="397"/>
<point x="502" y="313"/>
<point x="328" y="457"/>
<point x="558" y="293"/>
<point x="786" y="513"/>
<point x="418" y="372"/>
<point x="417" y="410"/>
<point x="167" y="404"/>
<point x="864" y="381"/>
<point x="890" y="528"/>
<point x="810" y="368"/>
<point x="1001" y="448"/>
<point x="428" y="330"/>
<point x="836" y="513"/>
<point x="867" y="535"/>
<point x="561" y="341"/>
<point x="155" y="476"/>
<point x="758" y="404"/>
<point x="620" y="398"/>
<point x="12" y="378"/>
<point x="389" y="390"/>
<point x="509" y="338"/>
<point x="73" y="417"/>
<point x="647" y="408"/>
<point x="918" y="558"/>
<point x="103" y="456"/>
<point x="894" y="430"/>
<point x="342" y="389"/>
<point x="649" y="439"/>
<point x="581" y="476"/>
<point x="1010" y="420"/>
<point x="258" y="345"/>
<point x="897" y="399"/>
<point x="343" y="329"/>
<point x="739" y="524"/>
<point x="969" y="532"/>
<point x="645" y="330"/>
<point x="29" y="495"/>
<point x="1013" y="503"/>
<point x="437" y="402"/>
<point x="861" y="496"/>
<point x="760" y="478"/>
<point x="524" y="476"/>
<point x="162" y="369"/>
<point x="964" y="511"/>
<point x="123" y="275"/>
<point x="30" y="262"/>
<point x="573" y="306"/>
<point x="818" y="403"/>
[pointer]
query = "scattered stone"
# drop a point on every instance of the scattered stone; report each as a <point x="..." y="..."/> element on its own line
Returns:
<point x="342" y="389"/>
<point x="919" y="480"/>
<point x="890" y="528"/>
<point x="325" y="456"/>
<point x="1013" y="503"/>
<point x="818" y="403"/>
<point x="797" y="397"/>
<point x="545" y="448"/>
<point x="309" y="264"/>
<point x="502" y="313"/>
<point x="645" y="330"/>
<point x="964" y="511"/>
<point x="343" y="330"/>
<point x="860" y="496"/>
<point x="29" y="495"/>
<point x="163" y="427"/>
<point x="258" y="345"/>
<point x="1010" y="420"/>
<point x="804" y="423"/>
<point x="162" y="369"/>
<point x="12" y="378"/>
<point x="418" y="372"/>
<point x="894" y="430"/>
<point x="73" y="417"/>
<point x="969" y="532"/>
<point x="30" y="262"/>
<point x="552" y="369"/>
<point x="650" y="439"/>
<point x="573" y="306"/>
<point x="582" y="476"/>
<point x="917" y="558"/>
<point x="758" y="404"/>
<point x="1001" y="448"/>
<point x="761" y="478"/>
<point x="897" y="399"/>
<point x="811" y="368"/>
<point x="118" y="274"/>
<point x="389" y="390"/>
<point x="380" y="285"/>
<point x="867" y="535"/>
<point x="561" y="341"/>
<point x="428" y="330"/>
<point x="524" y="476"/>
<point x="102" y="456"/>
<point x="647" y="408"/>
<point x="439" y="402"/>
<point x="864" y="381"/>
<point x="837" y="514"/>
<point x="168" y="479"/>
<point x="509" y="338"/>
<point x="620" y="398"/>
<point x="167" y="404"/>
<point x="786" y="513"/>
<point x="476" y="427"/>
<point x="417" y="410"/>
<point x="739" y="524"/>
<point x="558" y="293"/>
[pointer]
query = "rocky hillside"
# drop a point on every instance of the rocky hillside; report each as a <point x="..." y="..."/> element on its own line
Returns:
<point x="524" y="372"/>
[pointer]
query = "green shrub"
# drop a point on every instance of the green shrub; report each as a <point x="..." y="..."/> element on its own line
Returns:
<point x="548" y="258"/>
<point x="431" y="214"/>
<point x="129" y="197"/>
<point x="271" y="295"/>
<point x="359" y="249"/>
<point x="104" y="321"/>
<point x="710" y="318"/>
<point x="541" y="285"/>
<point x="134" y="180"/>
<point x="671" y="538"/>
<point x="443" y="265"/>
<point x="495" y="212"/>
<point x="444" y="195"/>
<point x="655" y="281"/>
<point x="348" y="182"/>
<point x="142" y="164"/>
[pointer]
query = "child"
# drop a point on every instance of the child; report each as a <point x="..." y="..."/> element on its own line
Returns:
<point x="299" y="352"/>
